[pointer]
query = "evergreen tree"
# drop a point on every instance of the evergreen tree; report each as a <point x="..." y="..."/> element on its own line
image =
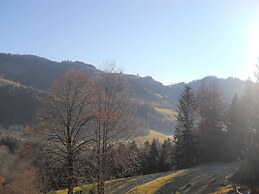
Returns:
<point x="186" y="150"/>
<point x="144" y="157"/>
<point x="236" y="134"/>
<point x="153" y="157"/>
<point x="165" y="156"/>
<point x="248" y="173"/>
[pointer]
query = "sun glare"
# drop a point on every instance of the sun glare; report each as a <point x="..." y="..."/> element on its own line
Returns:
<point x="251" y="55"/>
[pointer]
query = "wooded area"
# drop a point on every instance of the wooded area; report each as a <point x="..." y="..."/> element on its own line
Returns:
<point x="84" y="135"/>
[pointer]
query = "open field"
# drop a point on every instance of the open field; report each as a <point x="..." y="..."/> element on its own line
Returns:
<point x="150" y="136"/>
<point x="166" y="111"/>
<point x="5" y="82"/>
<point x="207" y="179"/>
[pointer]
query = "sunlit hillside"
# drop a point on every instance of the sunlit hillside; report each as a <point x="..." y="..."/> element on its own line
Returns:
<point x="151" y="134"/>
<point x="169" y="113"/>
<point x="156" y="102"/>
<point x="210" y="178"/>
<point x="5" y="82"/>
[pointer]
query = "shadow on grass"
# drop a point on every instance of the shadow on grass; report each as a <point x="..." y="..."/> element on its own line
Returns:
<point x="125" y="185"/>
<point x="208" y="179"/>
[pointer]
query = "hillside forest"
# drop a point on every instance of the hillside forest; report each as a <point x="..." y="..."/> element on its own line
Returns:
<point x="82" y="126"/>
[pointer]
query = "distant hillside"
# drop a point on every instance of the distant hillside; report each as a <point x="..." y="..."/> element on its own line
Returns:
<point x="161" y="101"/>
<point x="5" y="82"/>
<point x="36" y="71"/>
<point x="156" y="103"/>
<point x="18" y="104"/>
<point x="151" y="90"/>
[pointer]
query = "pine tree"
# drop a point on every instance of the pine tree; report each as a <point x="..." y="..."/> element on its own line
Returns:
<point x="186" y="150"/>
<point x="236" y="134"/>
<point x="144" y="157"/>
<point x="248" y="172"/>
<point x="153" y="157"/>
<point x="165" y="156"/>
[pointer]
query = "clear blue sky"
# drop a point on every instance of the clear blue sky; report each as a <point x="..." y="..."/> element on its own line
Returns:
<point x="170" y="40"/>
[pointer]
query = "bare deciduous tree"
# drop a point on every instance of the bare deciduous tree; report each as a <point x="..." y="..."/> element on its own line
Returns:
<point x="67" y="112"/>
<point x="211" y="121"/>
<point x="114" y="121"/>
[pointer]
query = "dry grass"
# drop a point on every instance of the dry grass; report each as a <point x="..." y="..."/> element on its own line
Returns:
<point x="166" y="111"/>
<point x="153" y="186"/>
<point x="65" y="190"/>
<point x="169" y="114"/>
<point x="5" y="82"/>
<point x="150" y="136"/>
<point x="201" y="179"/>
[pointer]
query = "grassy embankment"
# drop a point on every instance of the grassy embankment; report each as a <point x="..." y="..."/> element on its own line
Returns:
<point x="207" y="179"/>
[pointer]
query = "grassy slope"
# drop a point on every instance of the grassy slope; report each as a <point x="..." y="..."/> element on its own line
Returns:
<point x="209" y="178"/>
<point x="4" y="82"/>
<point x="202" y="179"/>
<point x="168" y="113"/>
<point x="150" y="136"/>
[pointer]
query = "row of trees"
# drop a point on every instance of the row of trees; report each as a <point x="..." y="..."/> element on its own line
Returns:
<point x="245" y="121"/>
<point x="201" y="130"/>
<point x="26" y="168"/>
<point x="208" y="129"/>
<point x="81" y="113"/>
<point x="85" y="122"/>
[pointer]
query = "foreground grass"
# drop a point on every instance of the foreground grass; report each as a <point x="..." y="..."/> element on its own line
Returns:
<point x="155" y="185"/>
<point x="201" y="179"/>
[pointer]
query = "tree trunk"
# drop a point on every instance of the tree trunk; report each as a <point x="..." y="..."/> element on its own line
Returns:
<point x="100" y="181"/>
<point x="70" y="175"/>
<point x="100" y="185"/>
<point x="70" y="162"/>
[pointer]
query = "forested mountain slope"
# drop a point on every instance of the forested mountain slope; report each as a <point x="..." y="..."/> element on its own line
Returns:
<point x="155" y="102"/>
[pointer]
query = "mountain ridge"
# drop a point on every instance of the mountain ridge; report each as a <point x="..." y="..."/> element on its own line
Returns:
<point x="156" y="103"/>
